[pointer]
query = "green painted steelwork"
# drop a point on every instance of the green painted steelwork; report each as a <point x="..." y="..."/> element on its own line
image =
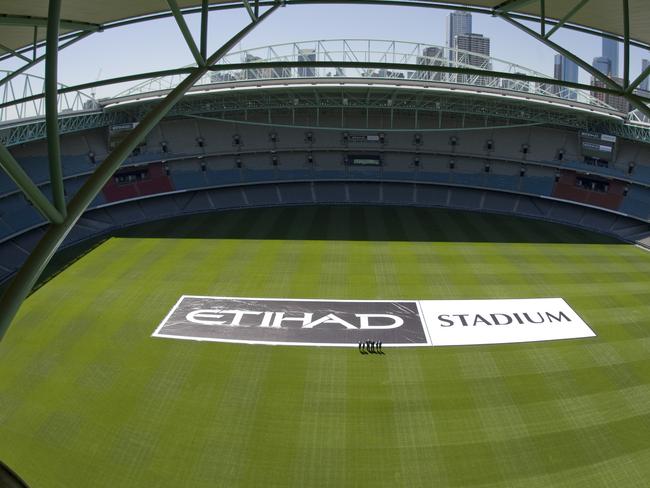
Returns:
<point x="51" y="107"/>
<point x="185" y="30"/>
<point x="566" y="18"/>
<point x="24" y="182"/>
<point x="233" y="100"/>
<point x="618" y="90"/>
<point x="250" y="11"/>
<point x="35" y="130"/>
<point x="19" y="20"/>
<point x="626" y="44"/>
<point x="638" y="80"/>
<point x="35" y="61"/>
<point x="204" y="28"/>
<point x="11" y="51"/>
<point x="24" y="281"/>
<point x="365" y="129"/>
<point x="174" y="104"/>
<point x="402" y="3"/>
<point x="511" y="72"/>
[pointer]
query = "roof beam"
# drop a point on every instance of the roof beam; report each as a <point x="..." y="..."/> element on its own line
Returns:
<point x="559" y="49"/>
<point x="204" y="28"/>
<point x="567" y="17"/>
<point x="635" y="100"/>
<point x="185" y="30"/>
<point x="35" y="61"/>
<point x="639" y="79"/>
<point x="28" y="274"/>
<point x="250" y="11"/>
<point x="21" y="20"/>
<point x="626" y="44"/>
<point x="18" y="55"/>
<point x="52" y="108"/>
<point x="405" y="3"/>
<point x="27" y="186"/>
<point x="325" y="64"/>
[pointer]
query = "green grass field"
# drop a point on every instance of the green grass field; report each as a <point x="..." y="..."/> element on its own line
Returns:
<point x="89" y="399"/>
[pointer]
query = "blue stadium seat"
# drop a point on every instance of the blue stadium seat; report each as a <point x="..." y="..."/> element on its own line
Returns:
<point x="637" y="202"/>
<point x="184" y="180"/>
<point x="538" y="185"/>
<point x="433" y="176"/>
<point x="23" y="218"/>
<point x="502" y="182"/>
<point x="222" y="177"/>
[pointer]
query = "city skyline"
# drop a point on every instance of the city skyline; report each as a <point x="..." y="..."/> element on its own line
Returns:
<point x="155" y="44"/>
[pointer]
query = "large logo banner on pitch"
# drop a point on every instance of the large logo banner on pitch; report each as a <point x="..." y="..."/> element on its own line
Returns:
<point x="466" y="322"/>
<point x="294" y="322"/>
<point x="394" y="323"/>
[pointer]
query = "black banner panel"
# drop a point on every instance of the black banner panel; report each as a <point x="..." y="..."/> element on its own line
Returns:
<point x="295" y="322"/>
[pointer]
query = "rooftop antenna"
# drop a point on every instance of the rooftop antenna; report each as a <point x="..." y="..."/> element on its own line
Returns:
<point x="94" y="90"/>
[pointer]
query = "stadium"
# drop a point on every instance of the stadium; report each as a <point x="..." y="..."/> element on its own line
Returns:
<point x="325" y="262"/>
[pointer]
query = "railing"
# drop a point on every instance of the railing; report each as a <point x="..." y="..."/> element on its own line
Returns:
<point x="412" y="59"/>
<point x="345" y="58"/>
<point x="25" y="86"/>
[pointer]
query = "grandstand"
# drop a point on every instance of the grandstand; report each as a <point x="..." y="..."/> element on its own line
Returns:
<point x="365" y="170"/>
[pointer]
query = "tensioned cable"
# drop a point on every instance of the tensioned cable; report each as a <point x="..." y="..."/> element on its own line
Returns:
<point x="362" y="129"/>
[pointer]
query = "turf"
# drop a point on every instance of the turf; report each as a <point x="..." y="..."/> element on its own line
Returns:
<point x="88" y="398"/>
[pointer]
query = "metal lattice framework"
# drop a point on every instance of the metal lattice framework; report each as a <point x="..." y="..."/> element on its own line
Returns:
<point x="47" y="14"/>
<point x="31" y="90"/>
<point x="354" y="58"/>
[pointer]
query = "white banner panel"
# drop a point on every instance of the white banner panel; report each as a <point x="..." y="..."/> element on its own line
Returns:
<point x="464" y="322"/>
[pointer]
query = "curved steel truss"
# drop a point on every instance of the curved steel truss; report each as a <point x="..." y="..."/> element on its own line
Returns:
<point x="22" y="97"/>
<point x="377" y="59"/>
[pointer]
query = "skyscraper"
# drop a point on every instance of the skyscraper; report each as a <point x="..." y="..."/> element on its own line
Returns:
<point x="602" y="64"/>
<point x="610" y="51"/>
<point x="306" y="55"/>
<point x="458" y="23"/>
<point x="432" y="56"/>
<point x="474" y="43"/>
<point x="252" y="74"/>
<point x="565" y="70"/>
<point x="645" y="84"/>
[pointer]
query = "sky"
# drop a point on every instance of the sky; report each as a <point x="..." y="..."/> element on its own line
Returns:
<point x="159" y="45"/>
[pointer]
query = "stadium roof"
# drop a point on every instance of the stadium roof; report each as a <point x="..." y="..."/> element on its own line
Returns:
<point x="19" y="17"/>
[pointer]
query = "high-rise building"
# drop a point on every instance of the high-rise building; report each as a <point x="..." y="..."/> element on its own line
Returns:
<point x="305" y="55"/>
<point x="458" y="24"/>
<point x="610" y="51"/>
<point x="263" y="73"/>
<point x="645" y="84"/>
<point x="603" y="64"/>
<point x="565" y="70"/>
<point x="473" y="43"/>
<point x="252" y="74"/>
<point x="432" y="56"/>
<point x="619" y="103"/>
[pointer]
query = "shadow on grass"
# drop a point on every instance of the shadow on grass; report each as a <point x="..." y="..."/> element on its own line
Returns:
<point x="365" y="223"/>
<point x="345" y="223"/>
